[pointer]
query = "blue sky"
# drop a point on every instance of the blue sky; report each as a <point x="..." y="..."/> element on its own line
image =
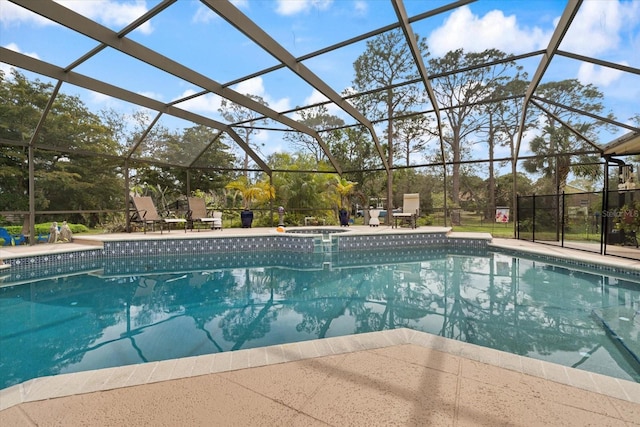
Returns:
<point x="190" y="33"/>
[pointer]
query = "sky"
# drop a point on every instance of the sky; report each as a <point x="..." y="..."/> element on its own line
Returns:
<point x="190" y="33"/>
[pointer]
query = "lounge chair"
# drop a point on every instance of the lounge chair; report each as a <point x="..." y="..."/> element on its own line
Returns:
<point x="410" y="210"/>
<point x="11" y="239"/>
<point x="198" y="213"/>
<point x="145" y="213"/>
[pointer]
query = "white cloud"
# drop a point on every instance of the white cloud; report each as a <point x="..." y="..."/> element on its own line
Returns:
<point x="599" y="76"/>
<point x="14" y="47"/>
<point x="293" y="7"/>
<point x="11" y="13"/>
<point x="253" y="86"/>
<point x="99" y="98"/>
<point x="261" y="137"/>
<point x="282" y="104"/>
<point x="208" y="103"/>
<point x="315" y="97"/>
<point x="6" y="68"/>
<point x="465" y="30"/>
<point x="256" y="87"/>
<point x="360" y="7"/>
<point x="204" y="15"/>
<point x="596" y="28"/>
<point x="153" y="95"/>
<point x="111" y="13"/>
<point x="241" y="4"/>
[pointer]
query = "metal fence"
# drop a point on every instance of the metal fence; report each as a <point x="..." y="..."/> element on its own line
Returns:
<point x="585" y="221"/>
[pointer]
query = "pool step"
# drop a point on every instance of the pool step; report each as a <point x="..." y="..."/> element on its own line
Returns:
<point x="623" y="324"/>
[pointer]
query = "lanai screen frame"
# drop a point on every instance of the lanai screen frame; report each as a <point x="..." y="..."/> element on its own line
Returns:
<point x="226" y="10"/>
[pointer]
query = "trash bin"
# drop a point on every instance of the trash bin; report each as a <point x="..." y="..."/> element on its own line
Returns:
<point x="246" y="217"/>
<point x="344" y="217"/>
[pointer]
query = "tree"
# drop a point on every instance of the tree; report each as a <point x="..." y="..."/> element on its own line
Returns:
<point x="344" y="188"/>
<point x="235" y="113"/>
<point x="319" y="119"/>
<point x="380" y="72"/>
<point x="21" y="105"/>
<point x="252" y="192"/>
<point x="557" y="147"/>
<point x="299" y="189"/>
<point x="462" y="91"/>
<point x="502" y="131"/>
<point x="410" y="135"/>
<point x="504" y="188"/>
<point x="214" y="164"/>
<point x="197" y="148"/>
<point x="355" y="151"/>
<point x="68" y="177"/>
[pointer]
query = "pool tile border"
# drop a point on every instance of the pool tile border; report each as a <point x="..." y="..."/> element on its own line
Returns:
<point x="596" y="266"/>
<point x="88" y="259"/>
<point x="146" y="373"/>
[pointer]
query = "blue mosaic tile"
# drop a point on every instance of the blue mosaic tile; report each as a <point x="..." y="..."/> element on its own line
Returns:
<point x="611" y="270"/>
<point x="296" y="251"/>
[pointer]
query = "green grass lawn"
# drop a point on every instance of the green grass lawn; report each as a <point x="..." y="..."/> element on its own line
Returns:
<point x="474" y="222"/>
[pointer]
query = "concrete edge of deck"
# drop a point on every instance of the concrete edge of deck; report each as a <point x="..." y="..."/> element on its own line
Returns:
<point x="146" y="373"/>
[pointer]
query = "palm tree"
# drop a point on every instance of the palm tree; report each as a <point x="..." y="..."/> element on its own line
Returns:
<point x="259" y="192"/>
<point x="344" y="188"/>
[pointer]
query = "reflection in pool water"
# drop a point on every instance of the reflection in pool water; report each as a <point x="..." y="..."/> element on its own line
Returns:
<point x="153" y="308"/>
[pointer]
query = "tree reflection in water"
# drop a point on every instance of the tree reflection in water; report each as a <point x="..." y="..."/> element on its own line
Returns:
<point x="89" y="321"/>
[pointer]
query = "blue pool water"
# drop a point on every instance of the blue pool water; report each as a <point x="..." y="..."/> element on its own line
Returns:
<point x="146" y="309"/>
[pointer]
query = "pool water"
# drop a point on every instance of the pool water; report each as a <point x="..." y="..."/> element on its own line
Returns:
<point x="163" y="310"/>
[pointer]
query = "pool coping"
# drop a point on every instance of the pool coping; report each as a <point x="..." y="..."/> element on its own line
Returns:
<point x="63" y="385"/>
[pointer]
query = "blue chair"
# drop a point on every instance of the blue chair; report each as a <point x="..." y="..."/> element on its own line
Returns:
<point x="16" y="239"/>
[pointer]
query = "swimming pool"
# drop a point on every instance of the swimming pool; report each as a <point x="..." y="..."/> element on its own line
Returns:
<point x="141" y="309"/>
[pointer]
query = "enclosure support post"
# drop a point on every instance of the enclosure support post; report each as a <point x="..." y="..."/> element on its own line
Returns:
<point x="127" y="197"/>
<point x="517" y="215"/>
<point x="533" y="218"/>
<point x="605" y="209"/>
<point x="188" y="182"/>
<point x="562" y="221"/>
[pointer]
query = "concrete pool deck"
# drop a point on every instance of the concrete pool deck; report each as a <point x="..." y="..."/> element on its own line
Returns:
<point x="397" y="377"/>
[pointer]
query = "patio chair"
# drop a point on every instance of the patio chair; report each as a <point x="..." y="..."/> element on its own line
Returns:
<point x="217" y="220"/>
<point x="374" y="217"/>
<point x="26" y="231"/>
<point x="410" y="210"/>
<point x="145" y="213"/>
<point x="198" y="213"/>
<point x="11" y="239"/>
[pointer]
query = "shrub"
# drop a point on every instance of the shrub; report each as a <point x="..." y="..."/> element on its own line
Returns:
<point x="43" y="228"/>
